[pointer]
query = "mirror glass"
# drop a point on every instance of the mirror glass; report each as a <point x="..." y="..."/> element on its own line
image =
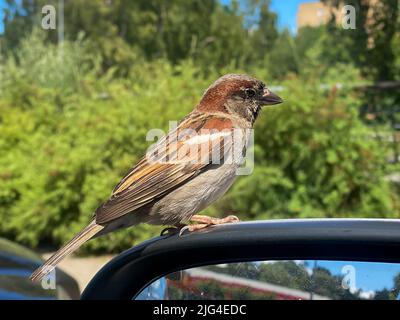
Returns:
<point x="280" y="280"/>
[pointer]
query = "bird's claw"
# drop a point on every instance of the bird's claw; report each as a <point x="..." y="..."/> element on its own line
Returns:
<point x="183" y="229"/>
<point x="193" y="227"/>
<point x="232" y="219"/>
<point x="169" y="230"/>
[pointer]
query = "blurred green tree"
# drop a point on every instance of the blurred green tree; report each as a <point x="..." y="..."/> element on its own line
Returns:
<point x="371" y="43"/>
<point x="73" y="121"/>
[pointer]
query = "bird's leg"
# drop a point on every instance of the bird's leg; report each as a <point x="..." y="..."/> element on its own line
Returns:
<point x="205" y="221"/>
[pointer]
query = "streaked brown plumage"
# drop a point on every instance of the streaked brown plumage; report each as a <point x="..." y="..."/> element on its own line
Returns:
<point x="169" y="192"/>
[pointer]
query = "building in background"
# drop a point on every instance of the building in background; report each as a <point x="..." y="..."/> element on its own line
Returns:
<point x="314" y="14"/>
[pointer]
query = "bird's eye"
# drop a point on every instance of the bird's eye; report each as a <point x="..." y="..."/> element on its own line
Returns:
<point x="250" y="92"/>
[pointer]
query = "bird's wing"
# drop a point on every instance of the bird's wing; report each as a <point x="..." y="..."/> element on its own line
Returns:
<point x="175" y="159"/>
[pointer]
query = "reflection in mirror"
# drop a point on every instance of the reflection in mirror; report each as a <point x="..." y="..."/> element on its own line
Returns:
<point x="280" y="280"/>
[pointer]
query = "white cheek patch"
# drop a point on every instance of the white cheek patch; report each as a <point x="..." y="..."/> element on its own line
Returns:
<point x="203" y="138"/>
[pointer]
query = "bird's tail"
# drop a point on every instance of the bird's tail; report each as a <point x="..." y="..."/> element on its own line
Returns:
<point x="67" y="249"/>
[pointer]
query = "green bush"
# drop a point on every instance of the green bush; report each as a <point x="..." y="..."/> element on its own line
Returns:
<point x="62" y="151"/>
<point x="68" y="133"/>
<point x="314" y="158"/>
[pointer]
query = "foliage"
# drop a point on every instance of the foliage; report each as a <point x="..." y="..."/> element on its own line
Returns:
<point x="314" y="158"/>
<point x="64" y="150"/>
<point x="74" y="115"/>
<point x="122" y="32"/>
<point x="371" y="44"/>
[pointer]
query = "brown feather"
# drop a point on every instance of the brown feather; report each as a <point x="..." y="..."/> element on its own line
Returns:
<point x="216" y="96"/>
<point x="148" y="181"/>
<point x="67" y="249"/>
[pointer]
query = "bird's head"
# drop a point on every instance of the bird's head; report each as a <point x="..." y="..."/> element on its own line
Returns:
<point x="238" y="94"/>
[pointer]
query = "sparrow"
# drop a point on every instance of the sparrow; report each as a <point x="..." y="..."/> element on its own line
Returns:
<point x="186" y="170"/>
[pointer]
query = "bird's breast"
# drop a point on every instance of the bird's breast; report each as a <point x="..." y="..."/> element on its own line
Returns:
<point x="199" y="192"/>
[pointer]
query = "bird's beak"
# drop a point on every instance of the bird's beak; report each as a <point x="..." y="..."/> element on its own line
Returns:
<point x="270" y="98"/>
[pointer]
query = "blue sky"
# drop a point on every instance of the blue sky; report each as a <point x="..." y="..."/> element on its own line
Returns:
<point x="370" y="276"/>
<point x="286" y="10"/>
<point x="1" y="14"/>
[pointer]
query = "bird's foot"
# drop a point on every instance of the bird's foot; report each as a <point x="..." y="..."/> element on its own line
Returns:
<point x="205" y="221"/>
<point x="193" y="227"/>
<point x="212" y="221"/>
